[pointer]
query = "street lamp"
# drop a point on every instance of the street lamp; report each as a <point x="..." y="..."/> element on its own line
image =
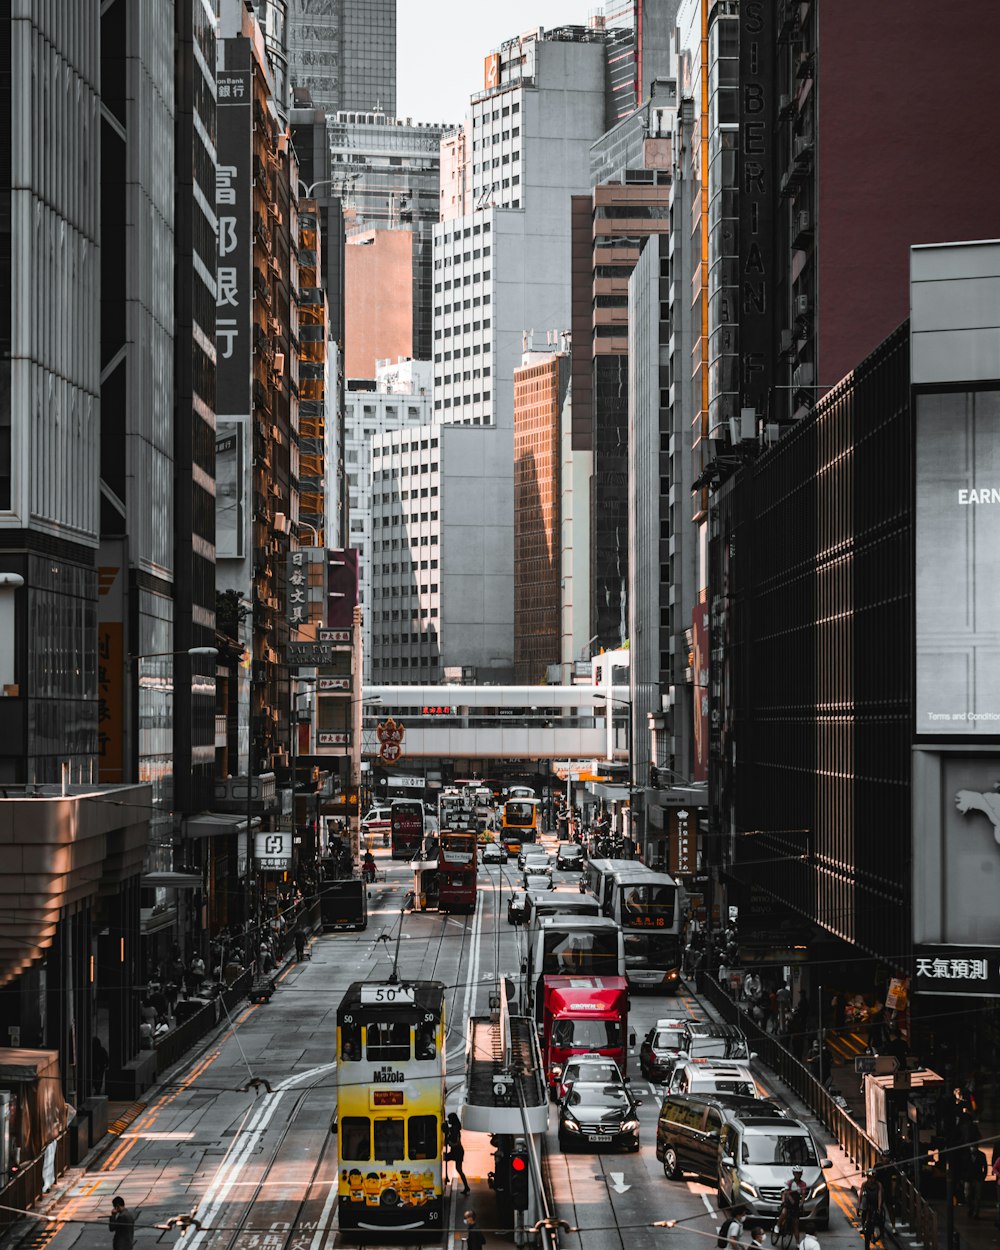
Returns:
<point x="156" y="655"/>
<point x="306" y="191"/>
<point x="315" y="531"/>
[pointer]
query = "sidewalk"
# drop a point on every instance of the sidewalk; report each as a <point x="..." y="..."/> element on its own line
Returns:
<point x="971" y="1233"/>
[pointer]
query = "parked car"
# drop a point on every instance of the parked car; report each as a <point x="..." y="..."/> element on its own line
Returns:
<point x="712" y="1076"/>
<point x="589" y="1067"/>
<point x="595" y="1114"/>
<point x="569" y="856"/>
<point x="756" y="1157"/>
<point x="689" y="1130"/>
<point x="493" y="853"/>
<point x="660" y="1048"/>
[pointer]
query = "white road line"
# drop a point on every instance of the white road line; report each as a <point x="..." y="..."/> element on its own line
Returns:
<point x="230" y="1169"/>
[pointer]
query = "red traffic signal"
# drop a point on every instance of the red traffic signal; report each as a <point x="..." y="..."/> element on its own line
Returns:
<point x="519" y="1164"/>
<point x="519" y="1183"/>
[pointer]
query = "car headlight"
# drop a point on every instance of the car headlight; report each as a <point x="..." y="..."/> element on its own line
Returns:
<point x="630" y="1126"/>
<point x="571" y="1125"/>
<point x="672" y="974"/>
<point x="748" y="1189"/>
<point x="817" y="1189"/>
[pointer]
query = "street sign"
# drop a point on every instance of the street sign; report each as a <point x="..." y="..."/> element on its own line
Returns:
<point x="273" y="851"/>
<point x="310" y="654"/>
<point x="406" y="783"/>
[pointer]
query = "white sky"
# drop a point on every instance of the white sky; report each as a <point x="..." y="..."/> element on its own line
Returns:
<point x="441" y="45"/>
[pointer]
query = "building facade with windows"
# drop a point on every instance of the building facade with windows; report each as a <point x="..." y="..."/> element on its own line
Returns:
<point x="343" y="53"/>
<point x="398" y="396"/>
<point x="442" y="584"/>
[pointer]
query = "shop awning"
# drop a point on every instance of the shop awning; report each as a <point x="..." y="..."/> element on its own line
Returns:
<point x="607" y="792"/>
<point x="217" y="824"/>
<point x="172" y="880"/>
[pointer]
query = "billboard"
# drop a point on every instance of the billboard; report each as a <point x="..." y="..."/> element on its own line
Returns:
<point x="342" y="588"/>
<point x="234" y="289"/>
<point x="956" y="847"/>
<point x="957" y="520"/>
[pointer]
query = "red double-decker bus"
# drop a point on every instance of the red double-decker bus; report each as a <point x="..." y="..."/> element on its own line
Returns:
<point x="407" y="817"/>
<point x="457" y="871"/>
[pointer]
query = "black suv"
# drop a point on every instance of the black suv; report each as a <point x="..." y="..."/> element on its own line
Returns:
<point x="689" y="1129"/>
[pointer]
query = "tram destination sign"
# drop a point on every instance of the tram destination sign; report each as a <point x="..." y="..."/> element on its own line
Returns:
<point x="386" y="995"/>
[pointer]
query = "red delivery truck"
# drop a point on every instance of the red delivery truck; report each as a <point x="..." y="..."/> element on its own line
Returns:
<point x="584" y="1015"/>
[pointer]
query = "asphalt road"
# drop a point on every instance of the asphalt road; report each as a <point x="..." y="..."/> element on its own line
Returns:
<point x="258" y="1169"/>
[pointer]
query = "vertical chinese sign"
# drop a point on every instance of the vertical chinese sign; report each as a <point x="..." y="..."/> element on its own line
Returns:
<point x="683" y="842"/>
<point x="234" y="309"/>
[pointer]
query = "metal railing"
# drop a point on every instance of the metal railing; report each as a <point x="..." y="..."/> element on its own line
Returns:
<point x="27" y="1186"/>
<point x="172" y="1047"/>
<point x="911" y="1208"/>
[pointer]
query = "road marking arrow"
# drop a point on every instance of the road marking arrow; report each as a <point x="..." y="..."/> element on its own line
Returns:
<point x="617" y="1181"/>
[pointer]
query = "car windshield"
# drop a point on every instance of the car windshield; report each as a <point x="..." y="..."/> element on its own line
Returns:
<point x="587" y="1094"/>
<point x="727" y="1085"/>
<point x="719" y="1048"/>
<point x="667" y="1039"/>
<point x="586" y="1034"/>
<point x="603" y="1072"/>
<point x="779" y="1149"/>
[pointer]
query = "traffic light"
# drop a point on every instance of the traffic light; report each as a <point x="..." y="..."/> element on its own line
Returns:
<point x="519" y="1176"/>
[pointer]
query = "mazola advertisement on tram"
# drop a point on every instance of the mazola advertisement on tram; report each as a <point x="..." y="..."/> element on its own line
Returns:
<point x="390" y="1106"/>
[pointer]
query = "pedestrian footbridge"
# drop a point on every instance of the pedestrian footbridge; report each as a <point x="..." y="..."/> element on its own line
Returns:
<point x="500" y="722"/>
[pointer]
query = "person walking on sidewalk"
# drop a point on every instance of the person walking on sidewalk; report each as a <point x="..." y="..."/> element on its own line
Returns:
<point x="454" y="1150"/>
<point x="474" y="1239"/>
<point x="975" y="1178"/>
<point x="300" y="943"/>
<point x="122" y="1224"/>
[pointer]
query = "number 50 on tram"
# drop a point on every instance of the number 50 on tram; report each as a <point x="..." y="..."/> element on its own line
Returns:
<point x="390" y="1105"/>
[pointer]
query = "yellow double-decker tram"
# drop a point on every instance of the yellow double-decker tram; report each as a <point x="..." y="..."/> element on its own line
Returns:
<point x="390" y="1105"/>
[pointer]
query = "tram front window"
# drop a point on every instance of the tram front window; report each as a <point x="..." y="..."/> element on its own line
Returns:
<point x="355" y="1137"/>
<point x="425" y="1041"/>
<point x="389" y="1039"/>
<point x="389" y="1140"/>
<point x="423" y="1133"/>
<point x="350" y="1041"/>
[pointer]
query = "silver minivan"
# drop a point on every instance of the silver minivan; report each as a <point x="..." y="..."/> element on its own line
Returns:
<point x="756" y="1157"/>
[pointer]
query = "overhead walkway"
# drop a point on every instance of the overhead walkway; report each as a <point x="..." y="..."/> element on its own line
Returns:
<point x="500" y="722"/>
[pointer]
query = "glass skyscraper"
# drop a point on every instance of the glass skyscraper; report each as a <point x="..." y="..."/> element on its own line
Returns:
<point x="343" y="52"/>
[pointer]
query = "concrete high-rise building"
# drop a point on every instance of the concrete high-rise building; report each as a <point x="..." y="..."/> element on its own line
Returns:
<point x="398" y="396"/>
<point x="609" y="228"/>
<point x="442" y="583"/>
<point x="639" y="39"/>
<point x="342" y="53"/>
<point x="385" y="173"/>
<point x="504" y="267"/>
<point x="541" y="394"/>
<point x="456" y="174"/>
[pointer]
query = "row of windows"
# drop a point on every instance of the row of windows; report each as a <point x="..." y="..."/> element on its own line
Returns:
<point x="395" y="544"/>
<point x="467" y="280"/>
<point x="473" y="303"/>
<point x="399" y="519"/>
<point x="501" y="136"/>
<point x="397" y="640"/>
<point x="424" y="661"/>
<point x="421" y="1132"/>
<point x="406" y="566"/>
<point x="396" y="615"/>
<point x="390" y="411"/>
<point x="404" y="470"/>
<point x="423" y="445"/>
<point x="496" y="162"/>
<point x="406" y="592"/>
<point x="480" y="118"/>
<point x="475" y="398"/>
<point x="464" y="258"/>
<point x="468" y="232"/>
<point x="405" y="494"/>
